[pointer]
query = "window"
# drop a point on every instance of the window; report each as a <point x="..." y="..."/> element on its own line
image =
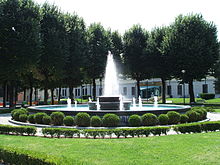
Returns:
<point x="124" y="90"/>
<point x="85" y="91"/>
<point x="75" y="92"/>
<point x="179" y="90"/>
<point x="205" y="88"/>
<point x="100" y="91"/>
<point x="64" y="92"/>
<point x="78" y="92"/>
<point x="133" y="91"/>
<point x="169" y="90"/>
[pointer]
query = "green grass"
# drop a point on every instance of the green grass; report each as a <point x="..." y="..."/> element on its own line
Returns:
<point x="194" y="149"/>
<point x="180" y="100"/>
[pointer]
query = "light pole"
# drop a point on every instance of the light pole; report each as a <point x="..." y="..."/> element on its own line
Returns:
<point x="183" y="71"/>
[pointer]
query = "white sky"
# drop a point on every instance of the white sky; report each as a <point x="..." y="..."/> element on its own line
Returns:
<point x="122" y="14"/>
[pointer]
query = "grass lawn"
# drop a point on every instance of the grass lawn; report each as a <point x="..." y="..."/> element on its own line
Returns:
<point x="194" y="149"/>
<point x="180" y="100"/>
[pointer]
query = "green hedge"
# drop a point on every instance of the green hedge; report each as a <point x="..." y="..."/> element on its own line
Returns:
<point x="207" y="96"/>
<point x="21" y="130"/>
<point x="197" y="127"/>
<point x="18" y="156"/>
<point x="102" y="133"/>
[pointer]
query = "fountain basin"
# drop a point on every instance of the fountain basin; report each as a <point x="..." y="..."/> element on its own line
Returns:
<point x="149" y="108"/>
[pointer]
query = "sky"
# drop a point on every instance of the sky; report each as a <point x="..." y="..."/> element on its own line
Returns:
<point x="122" y="14"/>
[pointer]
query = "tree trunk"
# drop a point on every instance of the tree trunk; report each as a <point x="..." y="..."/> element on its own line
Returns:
<point x="52" y="93"/>
<point x="35" y="94"/>
<point x="163" y="90"/>
<point x="15" y="95"/>
<point x="191" y="92"/>
<point x="94" y="89"/>
<point x="24" y="97"/>
<point x="11" y="96"/>
<point x="45" y="95"/>
<point x="138" y="88"/>
<point x="59" y="94"/>
<point x="31" y="93"/>
<point x="4" y="94"/>
<point x="71" y="92"/>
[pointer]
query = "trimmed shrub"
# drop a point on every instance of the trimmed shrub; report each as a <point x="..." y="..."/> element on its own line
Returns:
<point x="193" y="116"/>
<point x="163" y="119"/>
<point x="207" y="96"/>
<point x="38" y="117"/>
<point x="209" y="109"/>
<point x="110" y="120"/>
<point x="23" y="117"/>
<point x="174" y="117"/>
<point x="202" y="112"/>
<point x="46" y="120"/>
<point x="188" y="128"/>
<point x="82" y="119"/>
<point x="17" y="112"/>
<point x="184" y="118"/>
<point x="68" y="121"/>
<point x="57" y="118"/>
<point x="134" y="120"/>
<point x="96" y="121"/>
<point x="149" y="119"/>
<point x="31" y="118"/>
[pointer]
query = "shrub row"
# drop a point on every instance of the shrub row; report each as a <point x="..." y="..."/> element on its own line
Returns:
<point x="102" y="133"/>
<point x="207" y="96"/>
<point x="83" y="119"/>
<point x="198" y="127"/>
<point x="16" y="156"/>
<point x="21" y="130"/>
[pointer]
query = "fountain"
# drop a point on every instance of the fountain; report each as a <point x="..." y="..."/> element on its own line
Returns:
<point x="75" y="103"/>
<point x="68" y="103"/>
<point x="140" y="102"/>
<point x="155" y="101"/>
<point x="111" y="101"/>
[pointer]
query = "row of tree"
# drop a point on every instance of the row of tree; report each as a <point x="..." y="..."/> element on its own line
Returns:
<point x="42" y="47"/>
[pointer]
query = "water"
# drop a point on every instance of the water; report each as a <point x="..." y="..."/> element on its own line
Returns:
<point x="68" y="103"/>
<point x="98" y="104"/>
<point x="75" y="103"/>
<point x="90" y="100"/>
<point x="134" y="103"/>
<point x="140" y="102"/>
<point x="155" y="101"/>
<point x="121" y="103"/>
<point x="111" y="85"/>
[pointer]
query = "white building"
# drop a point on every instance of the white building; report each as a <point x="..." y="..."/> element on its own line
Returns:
<point x="128" y="88"/>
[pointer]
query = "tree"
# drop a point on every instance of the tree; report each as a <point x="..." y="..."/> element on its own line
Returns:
<point x="192" y="45"/>
<point x="116" y="48"/>
<point x="135" y="43"/>
<point x="19" y="45"/>
<point x="77" y="48"/>
<point x="98" y="49"/>
<point x="53" y="52"/>
<point x="161" y="68"/>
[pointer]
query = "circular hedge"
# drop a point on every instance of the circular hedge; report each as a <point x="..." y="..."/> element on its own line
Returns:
<point x="163" y="119"/>
<point x="23" y="117"/>
<point x="38" y="117"/>
<point x="68" y="121"/>
<point x="134" y="120"/>
<point x="57" y="118"/>
<point x="31" y="118"/>
<point x="184" y="118"/>
<point x="46" y="120"/>
<point x="193" y="116"/>
<point x="82" y="119"/>
<point x="96" y="121"/>
<point x="174" y="117"/>
<point x="149" y="119"/>
<point x="110" y="120"/>
<point x="17" y="112"/>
